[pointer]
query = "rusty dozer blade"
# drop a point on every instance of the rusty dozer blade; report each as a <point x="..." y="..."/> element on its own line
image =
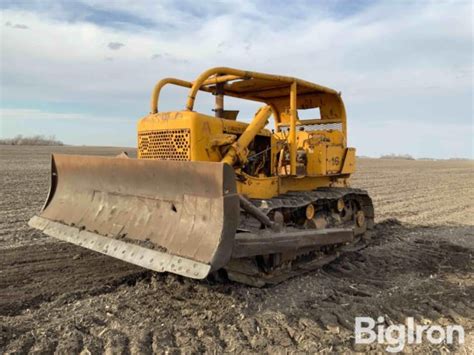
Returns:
<point x="171" y="216"/>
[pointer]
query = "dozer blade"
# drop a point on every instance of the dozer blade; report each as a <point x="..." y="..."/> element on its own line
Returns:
<point x="173" y="216"/>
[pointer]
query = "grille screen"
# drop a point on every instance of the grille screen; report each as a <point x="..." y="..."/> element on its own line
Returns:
<point x="172" y="144"/>
<point x="318" y="127"/>
<point x="324" y="127"/>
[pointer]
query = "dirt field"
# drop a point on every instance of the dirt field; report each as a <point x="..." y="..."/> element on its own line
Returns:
<point x="56" y="297"/>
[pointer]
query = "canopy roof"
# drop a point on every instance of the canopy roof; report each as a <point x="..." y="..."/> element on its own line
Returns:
<point x="274" y="90"/>
<point x="258" y="89"/>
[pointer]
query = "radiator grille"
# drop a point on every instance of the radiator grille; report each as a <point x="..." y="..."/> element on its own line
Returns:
<point x="324" y="127"/>
<point x="172" y="144"/>
<point x="318" y="127"/>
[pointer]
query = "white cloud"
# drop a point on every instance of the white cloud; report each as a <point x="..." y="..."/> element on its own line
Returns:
<point x="17" y="25"/>
<point x="115" y="45"/>
<point x="41" y="115"/>
<point x="389" y="59"/>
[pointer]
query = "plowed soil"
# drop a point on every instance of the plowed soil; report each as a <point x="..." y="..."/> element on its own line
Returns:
<point x="59" y="298"/>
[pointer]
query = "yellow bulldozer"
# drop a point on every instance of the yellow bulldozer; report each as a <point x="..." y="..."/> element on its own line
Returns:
<point x="211" y="196"/>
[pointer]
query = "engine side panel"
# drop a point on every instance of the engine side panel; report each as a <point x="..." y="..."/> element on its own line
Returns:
<point x="186" y="135"/>
<point x="323" y="160"/>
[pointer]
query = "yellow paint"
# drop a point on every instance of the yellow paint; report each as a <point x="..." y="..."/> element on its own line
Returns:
<point x="304" y="154"/>
<point x="292" y="138"/>
<point x="238" y="150"/>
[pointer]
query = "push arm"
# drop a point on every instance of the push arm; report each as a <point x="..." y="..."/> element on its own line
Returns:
<point x="238" y="150"/>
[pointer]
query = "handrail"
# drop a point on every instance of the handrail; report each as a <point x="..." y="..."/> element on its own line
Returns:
<point x="205" y="76"/>
<point x="187" y="84"/>
<point x="159" y="85"/>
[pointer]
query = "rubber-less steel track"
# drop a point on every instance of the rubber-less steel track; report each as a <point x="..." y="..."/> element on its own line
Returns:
<point x="274" y="268"/>
<point x="300" y="199"/>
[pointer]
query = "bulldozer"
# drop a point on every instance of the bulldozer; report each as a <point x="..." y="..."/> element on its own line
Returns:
<point x="210" y="196"/>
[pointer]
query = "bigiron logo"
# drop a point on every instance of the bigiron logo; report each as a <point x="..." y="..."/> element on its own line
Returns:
<point x="368" y="330"/>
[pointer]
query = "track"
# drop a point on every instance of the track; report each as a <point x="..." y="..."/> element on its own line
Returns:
<point x="336" y="208"/>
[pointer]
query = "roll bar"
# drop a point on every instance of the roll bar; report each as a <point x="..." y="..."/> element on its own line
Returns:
<point x="222" y="75"/>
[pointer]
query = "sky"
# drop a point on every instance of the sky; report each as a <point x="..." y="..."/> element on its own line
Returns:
<point x="83" y="70"/>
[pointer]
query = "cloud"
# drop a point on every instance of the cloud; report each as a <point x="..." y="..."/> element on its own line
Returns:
<point x="19" y="26"/>
<point x="366" y="56"/>
<point x="14" y="114"/>
<point x="410" y="62"/>
<point x="115" y="45"/>
<point x="79" y="11"/>
<point x="169" y="57"/>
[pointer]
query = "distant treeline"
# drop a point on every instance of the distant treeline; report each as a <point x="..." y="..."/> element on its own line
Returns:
<point x="34" y="140"/>
<point x="409" y="157"/>
<point x="397" y="156"/>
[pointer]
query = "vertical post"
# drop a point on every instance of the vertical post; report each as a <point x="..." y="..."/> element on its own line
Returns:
<point x="292" y="137"/>
<point x="219" y="104"/>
